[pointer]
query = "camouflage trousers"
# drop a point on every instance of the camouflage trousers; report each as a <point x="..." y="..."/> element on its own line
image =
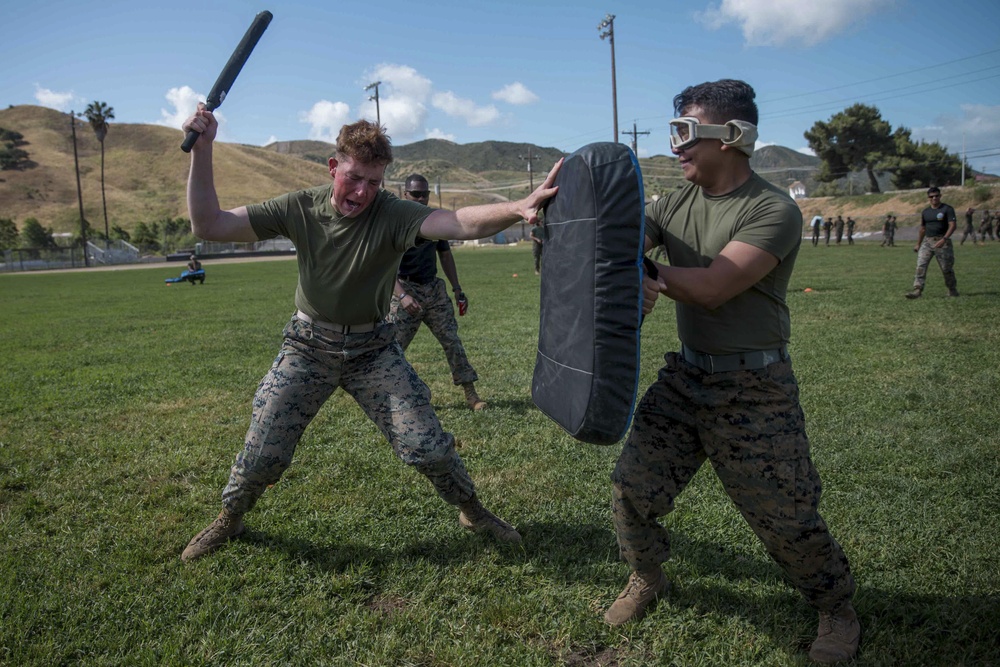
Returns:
<point x="750" y="425"/>
<point x="945" y="256"/>
<point x="311" y="364"/>
<point x="439" y="316"/>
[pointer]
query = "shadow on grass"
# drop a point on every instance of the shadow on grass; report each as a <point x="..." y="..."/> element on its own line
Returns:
<point x="898" y="628"/>
<point x="516" y="406"/>
<point x="347" y="554"/>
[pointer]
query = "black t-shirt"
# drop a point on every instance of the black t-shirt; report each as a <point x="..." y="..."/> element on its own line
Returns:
<point x="419" y="263"/>
<point x="936" y="220"/>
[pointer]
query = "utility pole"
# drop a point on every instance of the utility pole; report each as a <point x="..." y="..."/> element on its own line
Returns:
<point x="609" y="23"/>
<point x="437" y="191"/>
<point x="378" y="114"/>
<point x="635" y="138"/>
<point x="963" y="158"/>
<point x="531" y="179"/>
<point x="79" y="191"/>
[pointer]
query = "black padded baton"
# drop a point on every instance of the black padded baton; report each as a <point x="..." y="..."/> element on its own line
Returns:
<point x="232" y="69"/>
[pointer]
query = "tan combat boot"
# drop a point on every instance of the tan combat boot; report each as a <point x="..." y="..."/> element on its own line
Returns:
<point x="478" y="519"/>
<point x="838" y="636"/>
<point x="915" y="293"/>
<point x="225" y="527"/>
<point x="642" y="591"/>
<point x="472" y="398"/>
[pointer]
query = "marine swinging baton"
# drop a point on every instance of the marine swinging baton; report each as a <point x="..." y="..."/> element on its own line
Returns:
<point x="232" y="69"/>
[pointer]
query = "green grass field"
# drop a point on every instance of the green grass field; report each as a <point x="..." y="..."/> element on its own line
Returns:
<point x="125" y="402"/>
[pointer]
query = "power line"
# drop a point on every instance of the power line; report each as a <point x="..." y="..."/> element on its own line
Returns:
<point x="819" y="107"/>
<point x="880" y="78"/>
<point x="635" y="138"/>
<point x="925" y="86"/>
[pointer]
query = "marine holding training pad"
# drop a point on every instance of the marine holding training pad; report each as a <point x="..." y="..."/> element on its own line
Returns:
<point x="587" y="367"/>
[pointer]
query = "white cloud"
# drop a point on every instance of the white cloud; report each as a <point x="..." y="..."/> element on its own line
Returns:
<point x="325" y="119"/>
<point x="515" y="93"/>
<point x="805" y="150"/>
<point x="271" y="140"/>
<point x="184" y="102"/>
<point x="439" y="134"/>
<point x="781" y="22"/>
<point x="402" y="98"/>
<point x="467" y="110"/>
<point x="55" y="100"/>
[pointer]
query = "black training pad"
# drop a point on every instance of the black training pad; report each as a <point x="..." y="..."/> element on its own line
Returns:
<point x="587" y="367"/>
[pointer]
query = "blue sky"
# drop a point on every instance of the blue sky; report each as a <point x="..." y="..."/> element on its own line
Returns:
<point x="533" y="72"/>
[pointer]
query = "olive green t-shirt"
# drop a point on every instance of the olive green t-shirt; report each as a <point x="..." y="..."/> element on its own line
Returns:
<point x="347" y="266"/>
<point x="695" y="227"/>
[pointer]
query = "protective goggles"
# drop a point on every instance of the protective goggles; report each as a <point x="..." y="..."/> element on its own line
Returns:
<point x="686" y="131"/>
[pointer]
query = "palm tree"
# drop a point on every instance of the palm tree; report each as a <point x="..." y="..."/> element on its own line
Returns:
<point x="98" y="114"/>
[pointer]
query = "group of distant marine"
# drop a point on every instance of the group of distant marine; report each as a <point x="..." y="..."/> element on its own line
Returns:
<point x="837" y="226"/>
<point x="828" y="225"/>
<point x="986" y="224"/>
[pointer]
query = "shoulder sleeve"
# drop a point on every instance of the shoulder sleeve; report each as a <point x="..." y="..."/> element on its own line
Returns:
<point x="408" y="217"/>
<point x="656" y="220"/>
<point x="268" y="218"/>
<point x="774" y="224"/>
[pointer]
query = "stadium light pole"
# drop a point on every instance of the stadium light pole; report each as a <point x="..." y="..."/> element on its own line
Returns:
<point x="378" y="115"/>
<point x="609" y="23"/>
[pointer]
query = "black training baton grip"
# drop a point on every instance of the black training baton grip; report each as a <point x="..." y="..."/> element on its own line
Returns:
<point x="232" y="69"/>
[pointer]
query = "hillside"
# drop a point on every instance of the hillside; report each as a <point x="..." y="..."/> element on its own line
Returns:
<point x="146" y="174"/>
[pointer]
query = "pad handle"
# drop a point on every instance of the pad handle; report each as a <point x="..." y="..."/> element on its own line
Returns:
<point x="653" y="273"/>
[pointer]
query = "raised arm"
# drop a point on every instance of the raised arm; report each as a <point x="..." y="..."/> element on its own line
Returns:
<point x="477" y="222"/>
<point x="208" y="220"/>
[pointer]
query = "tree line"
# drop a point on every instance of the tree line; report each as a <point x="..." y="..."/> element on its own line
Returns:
<point x="165" y="235"/>
<point x="859" y="139"/>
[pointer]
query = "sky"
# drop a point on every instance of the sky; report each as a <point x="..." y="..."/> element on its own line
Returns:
<point x="536" y="72"/>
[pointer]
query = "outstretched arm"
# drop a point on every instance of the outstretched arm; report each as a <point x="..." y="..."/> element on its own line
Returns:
<point x="477" y="222"/>
<point x="208" y="220"/>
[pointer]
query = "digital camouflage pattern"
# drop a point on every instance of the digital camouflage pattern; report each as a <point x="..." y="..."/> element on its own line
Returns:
<point x="439" y="316"/>
<point x="750" y="425"/>
<point x="311" y="364"/>
<point x="945" y="256"/>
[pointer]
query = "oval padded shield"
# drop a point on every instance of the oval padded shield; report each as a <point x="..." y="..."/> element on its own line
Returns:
<point x="587" y="367"/>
